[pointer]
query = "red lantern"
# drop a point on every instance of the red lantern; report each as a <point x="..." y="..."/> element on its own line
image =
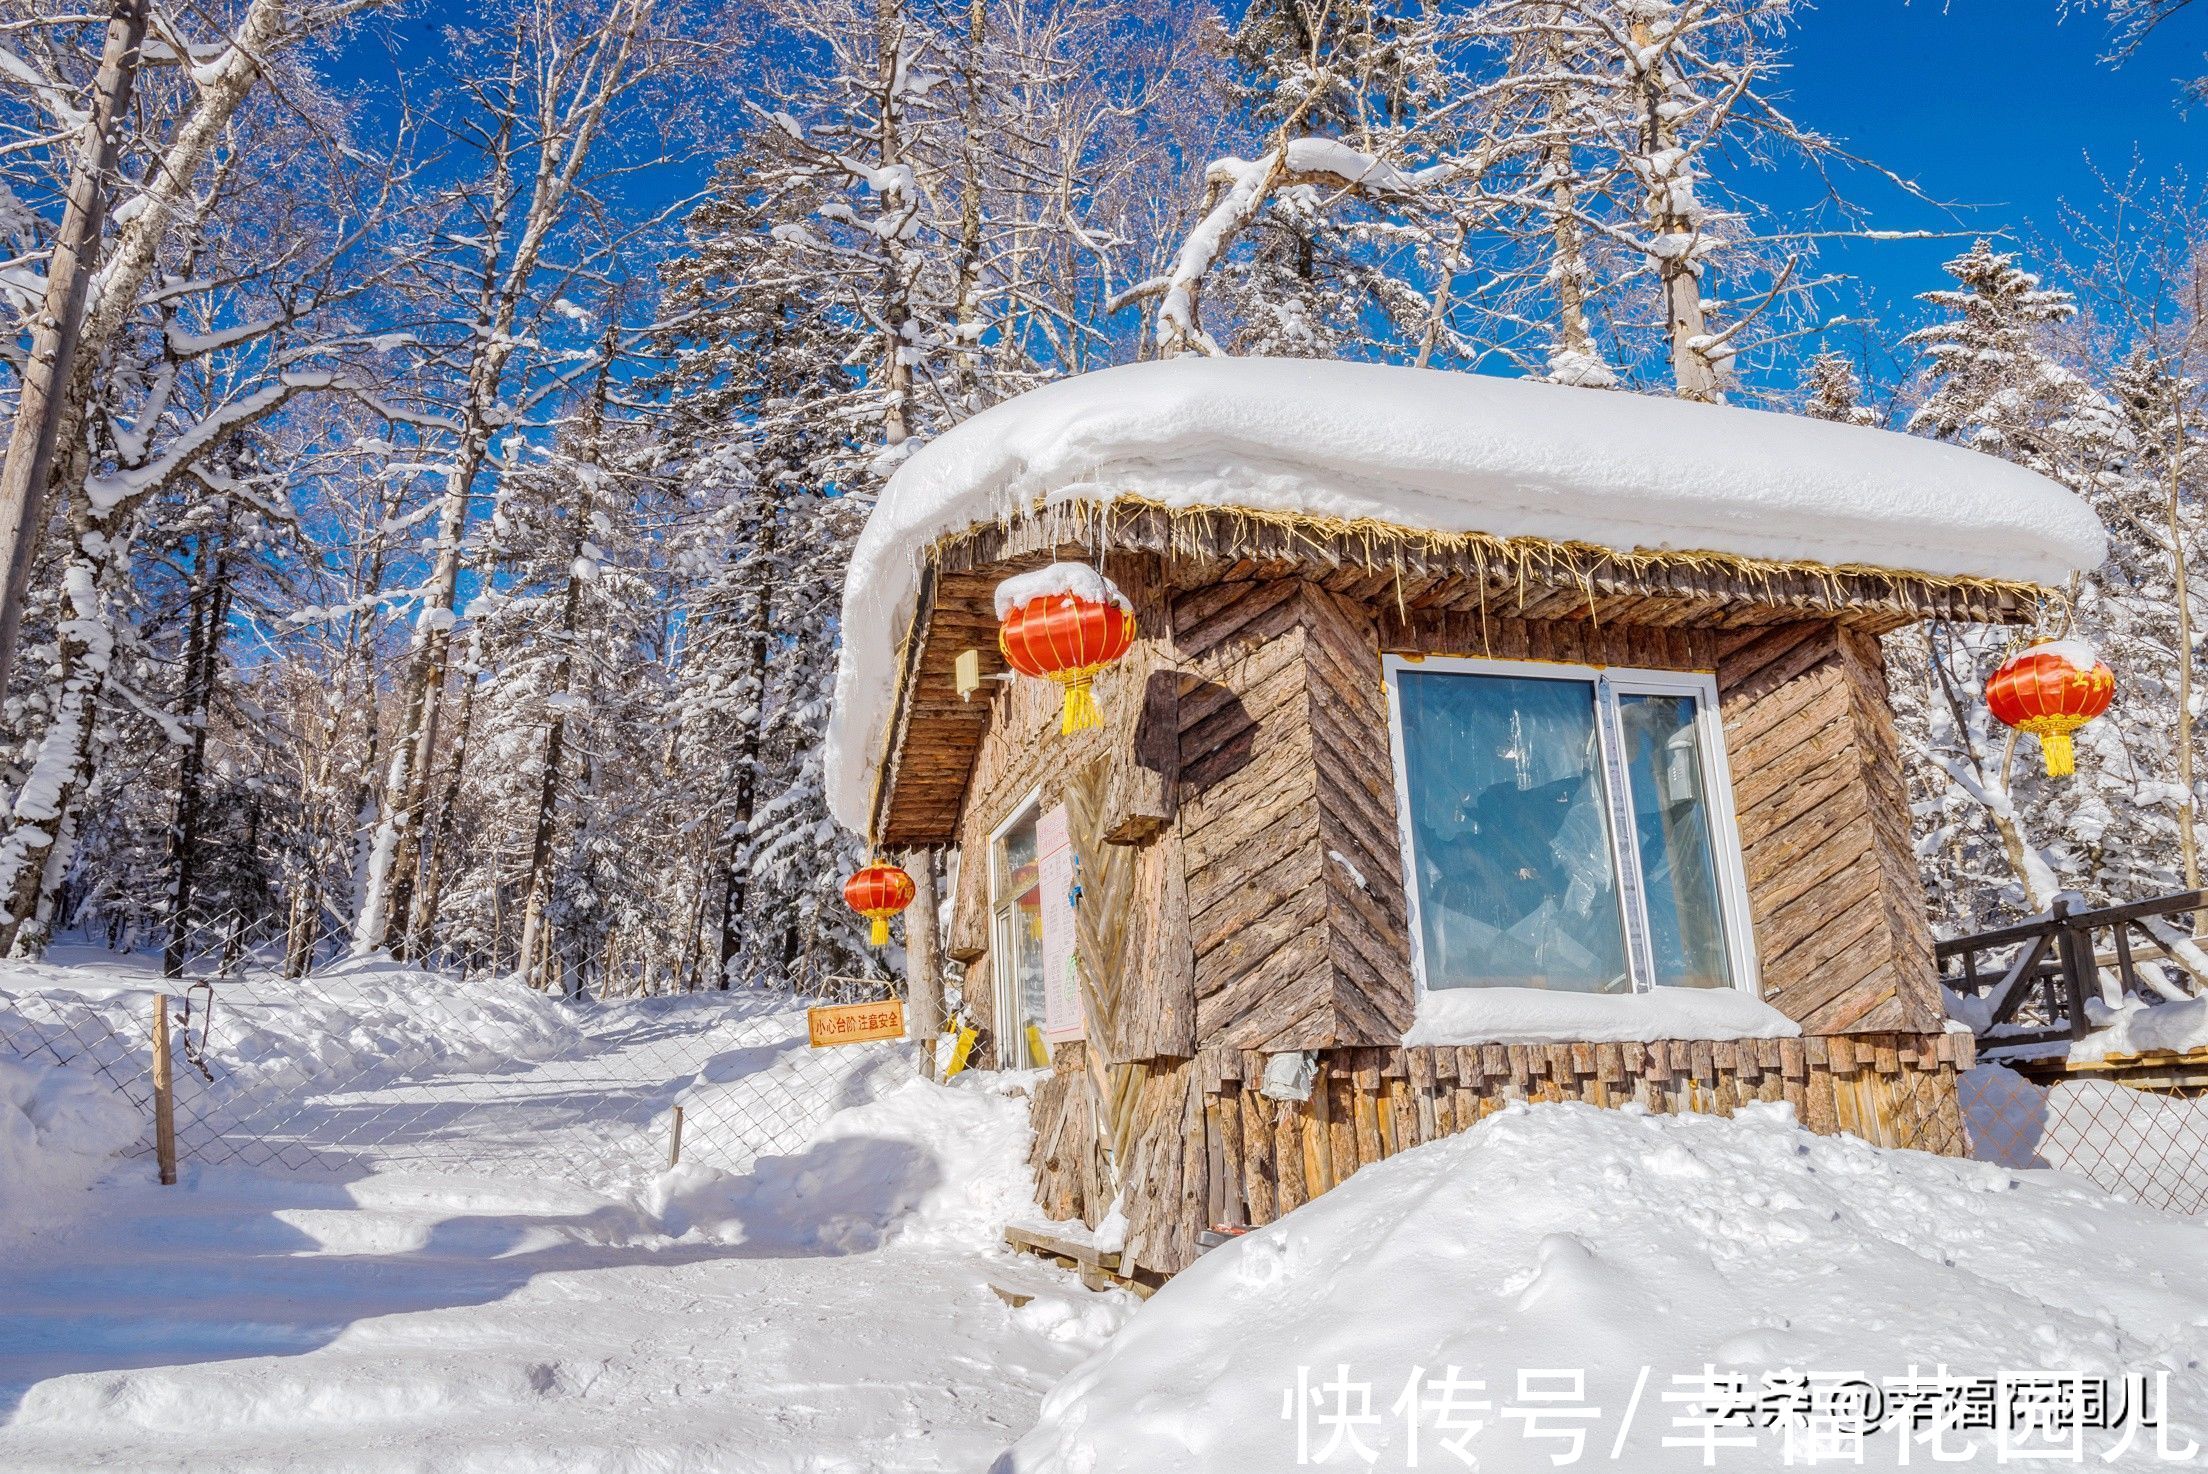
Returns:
<point x="2051" y="689"/>
<point x="1064" y="623"/>
<point x="877" y="893"/>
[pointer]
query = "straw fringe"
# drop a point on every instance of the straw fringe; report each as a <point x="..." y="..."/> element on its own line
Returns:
<point x="1382" y="546"/>
<point x="1212" y="531"/>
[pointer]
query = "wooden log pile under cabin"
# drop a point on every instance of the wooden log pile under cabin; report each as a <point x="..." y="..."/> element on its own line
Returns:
<point x="1241" y="859"/>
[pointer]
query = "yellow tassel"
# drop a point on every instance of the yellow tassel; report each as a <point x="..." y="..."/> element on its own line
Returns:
<point x="1081" y="713"/>
<point x="2060" y="754"/>
<point x="880" y="935"/>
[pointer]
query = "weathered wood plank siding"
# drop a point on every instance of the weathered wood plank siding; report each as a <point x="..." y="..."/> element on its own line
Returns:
<point x="1841" y="937"/>
<point x="1287" y="820"/>
<point x="1219" y="1153"/>
<point x="1122" y="827"/>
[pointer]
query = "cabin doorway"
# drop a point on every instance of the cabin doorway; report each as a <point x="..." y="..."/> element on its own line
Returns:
<point x="1016" y="936"/>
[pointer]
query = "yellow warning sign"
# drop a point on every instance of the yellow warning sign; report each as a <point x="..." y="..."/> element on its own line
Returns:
<point x="856" y="1023"/>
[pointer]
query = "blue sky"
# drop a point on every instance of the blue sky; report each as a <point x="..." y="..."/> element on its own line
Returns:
<point x="2002" y="106"/>
<point x="1998" y="106"/>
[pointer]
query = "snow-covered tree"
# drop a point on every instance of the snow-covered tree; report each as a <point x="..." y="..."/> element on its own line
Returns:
<point x="1831" y="390"/>
<point x="2008" y="374"/>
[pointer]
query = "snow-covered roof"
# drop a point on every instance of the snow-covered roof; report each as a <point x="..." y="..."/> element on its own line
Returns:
<point x="1439" y="452"/>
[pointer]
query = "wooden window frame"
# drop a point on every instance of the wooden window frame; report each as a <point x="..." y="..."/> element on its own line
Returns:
<point x="1609" y="682"/>
<point x="1005" y="987"/>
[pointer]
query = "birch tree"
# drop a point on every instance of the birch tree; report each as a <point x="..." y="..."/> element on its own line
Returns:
<point x="530" y="128"/>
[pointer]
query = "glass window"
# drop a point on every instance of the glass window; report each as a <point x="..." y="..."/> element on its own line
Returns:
<point x="1561" y="829"/>
<point x="1511" y="834"/>
<point x="1671" y="824"/>
<point x="1017" y="939"/>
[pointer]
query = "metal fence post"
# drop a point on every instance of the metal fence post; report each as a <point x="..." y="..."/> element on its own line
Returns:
<point x="164" y="1093"/>
<point x="674" y="1145"/>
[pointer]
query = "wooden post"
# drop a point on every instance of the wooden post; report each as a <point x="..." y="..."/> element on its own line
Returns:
<point x="164" y="1093"/>
<point x="2077" y="959"/>
<point x="674" y="1145"/>
<point x="923" y="960"/>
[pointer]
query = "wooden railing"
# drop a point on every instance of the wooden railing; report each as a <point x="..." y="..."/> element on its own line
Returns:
<point x="2036" y="976"/>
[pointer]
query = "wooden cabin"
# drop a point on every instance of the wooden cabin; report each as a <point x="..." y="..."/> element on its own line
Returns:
<point x="1474" y="729"/>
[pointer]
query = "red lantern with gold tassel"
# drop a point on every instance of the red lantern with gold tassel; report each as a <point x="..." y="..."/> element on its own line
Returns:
<point x="878" y="892"/>
<point x="1064" y="623"/>
<point x="2051" y="689"/>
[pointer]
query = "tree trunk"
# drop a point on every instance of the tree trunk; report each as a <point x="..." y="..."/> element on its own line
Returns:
<point x="2188" y="838"/>
<point x="563" y="669"/>
<point x="36" y="850"/>
<point x="1694" y="372"/>
<point x="896" y="282"/>
<point x="42" y="405"/>
<point x="421" y="927"/>
<point x="757" y="637"/>
<point x="210" y="607"/>
<point x="967" y="350"/>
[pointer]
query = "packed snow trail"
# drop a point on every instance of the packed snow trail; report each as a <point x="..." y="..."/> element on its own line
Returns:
<point x="250" y="1323"/>
<point x="829" y="1310"/>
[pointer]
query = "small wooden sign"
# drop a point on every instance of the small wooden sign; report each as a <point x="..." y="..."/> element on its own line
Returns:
<point x="856" y="1023"/>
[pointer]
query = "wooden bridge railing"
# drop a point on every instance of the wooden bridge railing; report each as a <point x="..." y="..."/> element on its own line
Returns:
<point x="2036" y="992"/>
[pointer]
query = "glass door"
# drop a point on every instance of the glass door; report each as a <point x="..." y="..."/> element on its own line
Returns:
<point x="1016" y="939"/>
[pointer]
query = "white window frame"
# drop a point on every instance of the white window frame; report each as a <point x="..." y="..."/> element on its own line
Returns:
<point x="1012" y="1050"/>
<point x="1608" y="683"/>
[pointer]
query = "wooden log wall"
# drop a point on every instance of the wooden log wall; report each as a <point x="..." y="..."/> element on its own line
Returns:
<point x="1842" y="940"/>
<point x="1072" y="1173"/>
<point x="1246" y="761"/>
<point x="1215" y="1152"/>
<point x="1118" y="783"/>
<point x="1287" y="818"/>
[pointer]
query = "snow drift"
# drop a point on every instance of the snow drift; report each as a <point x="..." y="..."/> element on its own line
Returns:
<point x="58" y="1129"/>
<point x="352" y="1024"/>
<point x="1444" y="452"/>
<point x="920" y="1165"/>
<point x="2138" y="1027"/>
<point x="1565" y="1237"/>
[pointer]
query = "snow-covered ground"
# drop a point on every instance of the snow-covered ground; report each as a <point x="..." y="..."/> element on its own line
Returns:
<point x="502" y="1277"/>
<point x="829" y="1310"/>
<point x="1565" y="1273"/>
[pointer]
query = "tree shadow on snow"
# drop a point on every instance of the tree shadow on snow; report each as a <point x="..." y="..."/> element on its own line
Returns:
<point x="174" y="1277"/>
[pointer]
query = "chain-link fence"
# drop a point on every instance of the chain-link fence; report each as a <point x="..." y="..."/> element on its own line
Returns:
<point x="371" y="1063"/>
<point x="2144" y="1138"/>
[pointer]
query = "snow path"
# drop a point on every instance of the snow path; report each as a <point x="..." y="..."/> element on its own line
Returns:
<point x="830" y="1310"/>
<point x="248" y="1323"/>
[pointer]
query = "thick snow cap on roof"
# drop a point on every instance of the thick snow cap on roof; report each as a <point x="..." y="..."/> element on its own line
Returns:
<point x="1442" y="452"/>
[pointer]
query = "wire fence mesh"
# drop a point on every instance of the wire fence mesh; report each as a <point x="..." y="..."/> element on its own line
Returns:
<point x="2143" y="1139"/>
<point x="359" y="1064"/>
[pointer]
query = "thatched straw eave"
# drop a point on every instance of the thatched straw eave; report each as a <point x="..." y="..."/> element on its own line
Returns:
<point x="1409" y="576"/>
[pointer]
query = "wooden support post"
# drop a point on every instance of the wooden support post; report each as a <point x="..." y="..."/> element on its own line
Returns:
<point x="2077" y="957"/>
<point x="923" y="959"/>
<point x="164" y="1093"/>
<point x="674" y="1144"/>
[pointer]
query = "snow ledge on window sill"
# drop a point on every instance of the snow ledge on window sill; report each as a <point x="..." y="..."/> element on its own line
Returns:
<point x="1538" y="1016"/>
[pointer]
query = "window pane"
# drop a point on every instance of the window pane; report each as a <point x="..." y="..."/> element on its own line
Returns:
<point x="1516" y="880"/>
<point x="1020" y="913"/>
<point x="1671" y="820"/>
